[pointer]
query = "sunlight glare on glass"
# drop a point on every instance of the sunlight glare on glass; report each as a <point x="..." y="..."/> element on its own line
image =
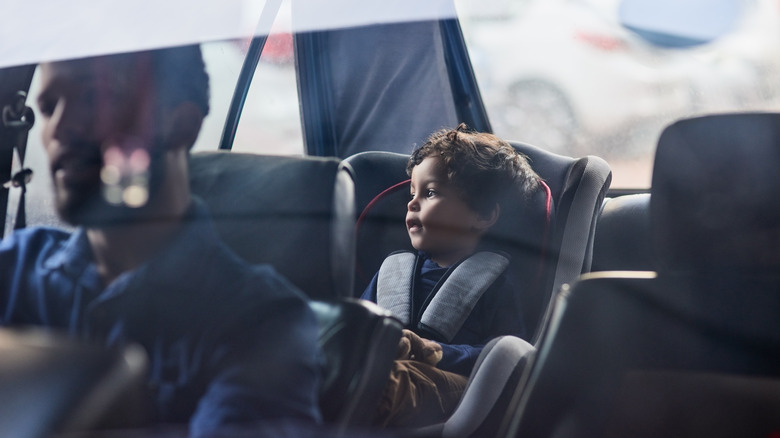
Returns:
<point x="79" y="28"/>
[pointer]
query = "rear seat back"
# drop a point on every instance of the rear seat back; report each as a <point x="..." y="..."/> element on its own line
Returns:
<point x="622" y="239"/>
<point x="296" y="213"/>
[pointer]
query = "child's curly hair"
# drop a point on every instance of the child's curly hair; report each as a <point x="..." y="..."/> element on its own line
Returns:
<point x="481" y="166"/>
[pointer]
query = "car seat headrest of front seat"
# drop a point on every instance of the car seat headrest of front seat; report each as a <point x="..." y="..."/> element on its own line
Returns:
<point x="715" y="193"/>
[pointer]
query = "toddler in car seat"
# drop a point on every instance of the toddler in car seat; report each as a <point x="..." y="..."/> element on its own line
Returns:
<point x="454" y="293"/>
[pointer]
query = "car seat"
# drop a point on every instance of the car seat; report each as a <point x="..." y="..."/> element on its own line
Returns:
<point x="550" y="241"/>
<point x="295" y="213"/>
<point x="692" y="349"/>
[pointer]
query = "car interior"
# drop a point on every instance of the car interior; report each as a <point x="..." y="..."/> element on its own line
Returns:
<point x="650" y="311"/>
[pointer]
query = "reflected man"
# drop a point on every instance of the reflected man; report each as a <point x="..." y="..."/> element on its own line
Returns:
<point x="228" y="343"/>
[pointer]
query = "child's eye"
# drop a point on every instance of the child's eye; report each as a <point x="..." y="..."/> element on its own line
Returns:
<point x="430" y="193"/>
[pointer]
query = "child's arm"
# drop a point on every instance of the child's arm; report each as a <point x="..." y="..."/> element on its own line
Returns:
<point x="459" y="359"/>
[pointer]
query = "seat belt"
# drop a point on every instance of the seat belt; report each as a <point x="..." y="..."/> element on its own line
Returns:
<point x="20" y="179"/>
<point x="17" y="118"/>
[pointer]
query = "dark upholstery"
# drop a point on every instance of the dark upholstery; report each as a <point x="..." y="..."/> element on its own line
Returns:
<point x="715" y="193"/>
<point x="295" y="213"/>
<point x="55" y="385"/>
<point x="359" y="340"/>
<point x="694" y="349"/>
<point x="534" y="241"/>
<point x="614" y="330"/>
<point x="380" y="227"/>
<point x="622" y="240"/>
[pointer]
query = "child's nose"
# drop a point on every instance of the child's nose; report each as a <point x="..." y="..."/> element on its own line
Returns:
<point x="413" y="205"/>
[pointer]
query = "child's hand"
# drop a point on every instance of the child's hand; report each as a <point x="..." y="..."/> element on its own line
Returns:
<point x="420" y="349"/>
<point x="404" y="348"/>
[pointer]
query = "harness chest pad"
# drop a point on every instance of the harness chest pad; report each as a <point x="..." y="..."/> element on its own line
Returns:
<point x="461" y="291"/>
<point x="455" y="297"/>
<point x="394" y="285"/>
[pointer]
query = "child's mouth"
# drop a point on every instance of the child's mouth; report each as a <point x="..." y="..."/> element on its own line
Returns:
<point x="413" y="226"/>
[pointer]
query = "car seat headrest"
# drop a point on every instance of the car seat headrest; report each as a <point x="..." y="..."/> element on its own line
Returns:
<point x="715" y="193"/>
<point x="281" y="210"/>
<point x="523" y="223"/>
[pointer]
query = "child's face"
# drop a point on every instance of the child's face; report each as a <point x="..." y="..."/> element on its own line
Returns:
<point x="438" y="219"/>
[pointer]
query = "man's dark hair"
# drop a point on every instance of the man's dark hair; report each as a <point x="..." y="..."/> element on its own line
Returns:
<point x="481" y="166"/>
<point x="180" y="75"/>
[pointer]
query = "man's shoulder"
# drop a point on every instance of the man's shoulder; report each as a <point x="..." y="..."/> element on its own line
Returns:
<point x="273" y="284"/>
<point x="221" y="271"/>
<point x="34" y="238"/>
<point x="33" y="251"/>
<point x="216" y="271"/>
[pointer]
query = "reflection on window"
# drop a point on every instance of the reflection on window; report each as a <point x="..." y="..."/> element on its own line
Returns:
<point x="565" y="76"/>
<point x="223" y="63"/>
<point x="270" y="122"/>
<point x="39" y="203"/>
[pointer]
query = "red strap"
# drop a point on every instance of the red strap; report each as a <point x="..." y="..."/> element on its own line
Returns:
<point x="377" y="198"/>
<point x="546" y="233"/>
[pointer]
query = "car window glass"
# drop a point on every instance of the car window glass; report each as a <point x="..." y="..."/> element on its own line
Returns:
<point x="270" y="121"/>
<point x="39" y="205"/>
<point x="565" y="76"/>
<point x="223" y="62"/>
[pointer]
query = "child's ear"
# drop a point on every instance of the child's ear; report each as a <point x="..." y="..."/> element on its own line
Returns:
<point x="488" y="220"/>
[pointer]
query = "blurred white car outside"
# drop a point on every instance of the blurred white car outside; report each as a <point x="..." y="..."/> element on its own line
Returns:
<point x="563" y="74"/>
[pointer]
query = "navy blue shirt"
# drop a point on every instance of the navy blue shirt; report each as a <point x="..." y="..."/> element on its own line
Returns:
<point x="227" y="342"/>
<point x="497" y="313"/>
